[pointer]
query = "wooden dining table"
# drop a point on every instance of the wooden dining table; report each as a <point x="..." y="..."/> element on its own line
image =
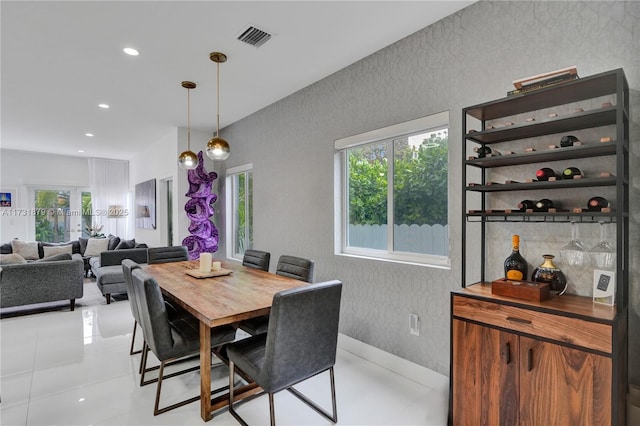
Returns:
<point x="243" y="293"/>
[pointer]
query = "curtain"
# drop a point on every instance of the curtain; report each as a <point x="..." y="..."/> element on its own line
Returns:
<point x="109" y="180"/>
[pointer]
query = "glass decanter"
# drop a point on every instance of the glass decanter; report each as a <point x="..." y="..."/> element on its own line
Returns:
<point x="549" y="273"/>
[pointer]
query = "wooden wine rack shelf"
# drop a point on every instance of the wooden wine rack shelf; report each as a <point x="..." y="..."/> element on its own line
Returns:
<point x="594" y="149"/>
<point x="524" y="186"/>
<point x="578" y="120"/>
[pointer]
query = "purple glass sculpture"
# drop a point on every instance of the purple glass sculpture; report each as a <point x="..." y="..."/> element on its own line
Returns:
<point x="204" y="234"/>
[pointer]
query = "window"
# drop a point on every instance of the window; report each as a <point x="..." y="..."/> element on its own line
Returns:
<point x="397" y="175"/>
<point x="87" y="214"/>
<point x="239" y="229"/>
<point x="61" y="214"/>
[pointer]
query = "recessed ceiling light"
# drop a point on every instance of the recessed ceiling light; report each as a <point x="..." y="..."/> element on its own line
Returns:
<point x="89" y="134"/>
<point x="130" y="51"/>
<point x="81" y="150"/>
<point x="104" y="106"/>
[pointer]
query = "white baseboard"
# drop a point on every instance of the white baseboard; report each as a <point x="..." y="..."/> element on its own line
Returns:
<point x="403" y="367"/>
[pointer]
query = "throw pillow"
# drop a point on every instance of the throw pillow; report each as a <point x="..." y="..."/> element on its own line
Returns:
<point x="126" y="244"/>
<point x="11" y="259"/>
<point x="75" y="246"/>
<point x="5" y="248"/>
<point x="113" y="242"/>
<point x="56" y="257"/>
<point x="51" y="250"/>
<point x="26" y="249"/>
<point x="83" y="244"/>
<point x="42" y="245"/>
<point x="95" y="246"/>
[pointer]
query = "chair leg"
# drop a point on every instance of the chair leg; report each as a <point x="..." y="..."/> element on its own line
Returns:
<point x="143" y="366"/>
<point x="231" y="380"/>
<point x="161" y="377"/>
<point x="133" y="339"/>
<point x="334" y="416"/>
<point x="143" y="363"/>
<point x="157" y="410"/>
<point x="272" y="414"/>
<point x="108" y="297"/>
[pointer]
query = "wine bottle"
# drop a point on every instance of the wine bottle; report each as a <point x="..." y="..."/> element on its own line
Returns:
<point x="525" y="205"/>
<point x="544" y="205"/>
<point x="568" y="140"/>
<point x="571" y="173"/>
<point x="515" y="267"/>
<point x="595" y="204"/>
<point x="545" y="173"/>
<point x="484" y="151"/>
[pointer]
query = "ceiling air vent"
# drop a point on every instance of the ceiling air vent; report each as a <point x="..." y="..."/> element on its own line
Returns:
<point x="254" y="36"/>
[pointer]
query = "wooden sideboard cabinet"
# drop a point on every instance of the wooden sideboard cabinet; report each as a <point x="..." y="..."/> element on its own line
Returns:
<point x="559" y="362"/>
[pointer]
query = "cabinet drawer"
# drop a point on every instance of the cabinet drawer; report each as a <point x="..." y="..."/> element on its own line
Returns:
<point x="591" y="335"/>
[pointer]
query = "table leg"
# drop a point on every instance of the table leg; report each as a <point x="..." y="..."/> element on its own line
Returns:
<point x="205" y="372"/>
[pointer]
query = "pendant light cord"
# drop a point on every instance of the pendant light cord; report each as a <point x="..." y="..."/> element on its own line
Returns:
<point x="189" y="119"/>
<point x="218" y="106"/>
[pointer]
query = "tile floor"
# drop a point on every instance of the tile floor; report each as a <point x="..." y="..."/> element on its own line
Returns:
<point x="74" y="368"/>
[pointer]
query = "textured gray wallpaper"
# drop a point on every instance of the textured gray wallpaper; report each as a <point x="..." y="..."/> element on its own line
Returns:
<point x="467" y="58"/>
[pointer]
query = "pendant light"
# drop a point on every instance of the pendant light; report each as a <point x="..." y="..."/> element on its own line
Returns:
<point x="218" y="148"/>
<point x="188" y="159"/>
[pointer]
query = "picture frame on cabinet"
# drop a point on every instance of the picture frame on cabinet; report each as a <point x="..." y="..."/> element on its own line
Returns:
<point x="604" y="287"/>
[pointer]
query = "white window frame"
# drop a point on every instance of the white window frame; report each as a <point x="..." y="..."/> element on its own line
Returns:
<point x="423" y="124"/>
<point x="231" y="173"/>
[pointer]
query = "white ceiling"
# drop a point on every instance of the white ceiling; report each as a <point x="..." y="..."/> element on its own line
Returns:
<point x="61" y="59"/>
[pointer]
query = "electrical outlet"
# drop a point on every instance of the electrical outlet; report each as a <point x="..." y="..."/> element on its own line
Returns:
<point x="414" y="324"/>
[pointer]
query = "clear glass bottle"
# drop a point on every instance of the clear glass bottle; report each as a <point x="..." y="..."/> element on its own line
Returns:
<point x="548" y="272"/>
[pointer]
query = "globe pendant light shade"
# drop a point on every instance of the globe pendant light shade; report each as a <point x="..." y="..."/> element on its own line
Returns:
<point x="188" y="159"/>
<point x="218" y="149"/>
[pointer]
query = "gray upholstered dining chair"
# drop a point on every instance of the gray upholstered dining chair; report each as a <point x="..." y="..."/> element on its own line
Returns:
<point x="128" y="266"/>
<point x="173" y="313"/>
<point x="170" y="340"/>
<point x="167" y="254"/>
<point x="289" y="266"/>
<point x="296" y="267"/>
<point x="301" y="342"/>
<point x="256" y="259"/>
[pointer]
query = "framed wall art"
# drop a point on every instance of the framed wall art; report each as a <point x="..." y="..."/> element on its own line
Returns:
<point x="145" y="208"/>
<point x="7" y="197"/>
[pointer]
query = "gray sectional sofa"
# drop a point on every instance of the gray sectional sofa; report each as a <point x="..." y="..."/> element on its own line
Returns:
<point x="42" y="281"/>
<point x="35" y="278"/>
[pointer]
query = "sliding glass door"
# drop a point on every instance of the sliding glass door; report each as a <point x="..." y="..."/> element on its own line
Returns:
<point x="61" y="214"/>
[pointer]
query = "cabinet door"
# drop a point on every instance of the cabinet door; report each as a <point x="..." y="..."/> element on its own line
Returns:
<point x="485" y="370"/>
<point x="563" y="386"/>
